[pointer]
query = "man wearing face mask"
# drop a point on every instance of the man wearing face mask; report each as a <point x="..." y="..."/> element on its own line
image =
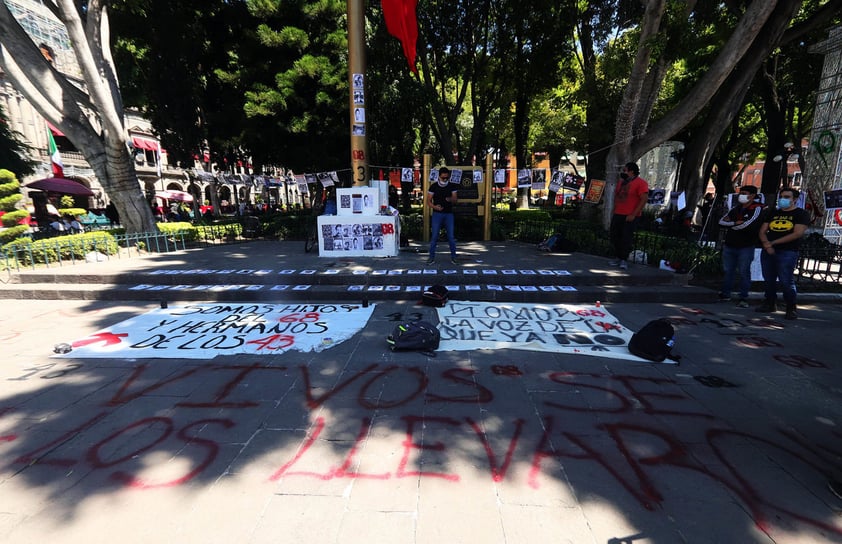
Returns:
<point x="630" y="196"/>
<point x="441" y="197"/>
<point x="743" y="224"/>
<point x="780" y="235"/>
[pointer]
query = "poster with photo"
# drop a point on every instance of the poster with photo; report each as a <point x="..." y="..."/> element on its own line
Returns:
<point x="406" y="175"/>
<point x="358" y="236"/>
<point x="678" y="200"/>
<point x="357" y="201"/>
<point x="500" y="176"/>
<point x="359" y="96"/>
<point x="833" y="199"/>
<point x="358" y="80"/>
<point x="434" y="175"/>
<point x="524" y="178"/>
<point x="539" y="179"/>
<point x="477" y="176"/>
<point x="456" y="177"/>
<point x="325" y="179"/>
<point x="572" y="182"/>
<point x="657" y="196"/>
<point x="555" y="180"/>
<point x="594" y="194"/>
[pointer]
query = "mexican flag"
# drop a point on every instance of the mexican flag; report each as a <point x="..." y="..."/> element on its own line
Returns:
<point x="55" y="156"/>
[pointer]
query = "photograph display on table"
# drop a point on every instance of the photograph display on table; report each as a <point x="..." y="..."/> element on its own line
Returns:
<point x="352" y="237"/>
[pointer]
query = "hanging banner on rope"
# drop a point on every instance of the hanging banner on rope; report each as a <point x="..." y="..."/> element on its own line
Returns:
<point x="203" y="331"/>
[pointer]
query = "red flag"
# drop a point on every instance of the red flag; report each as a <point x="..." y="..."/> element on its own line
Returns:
<point x="402" y="24"/>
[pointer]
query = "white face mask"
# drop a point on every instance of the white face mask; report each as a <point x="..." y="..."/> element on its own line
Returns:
<point x="744" y="199"/>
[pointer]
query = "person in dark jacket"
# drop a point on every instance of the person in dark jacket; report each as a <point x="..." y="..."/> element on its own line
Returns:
<point x="743" y="224"/>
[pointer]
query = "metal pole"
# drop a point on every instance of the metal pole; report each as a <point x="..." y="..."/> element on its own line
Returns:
<point x="356" y="79"/>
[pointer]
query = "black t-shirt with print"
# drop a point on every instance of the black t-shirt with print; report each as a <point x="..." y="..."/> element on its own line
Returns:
<point x="782" y="223"/>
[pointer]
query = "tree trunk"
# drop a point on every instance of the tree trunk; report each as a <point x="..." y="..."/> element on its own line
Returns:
<point x="92" y="119"/>
<point x="727" y="102"/>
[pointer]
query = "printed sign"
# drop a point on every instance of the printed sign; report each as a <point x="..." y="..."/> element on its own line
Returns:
<point x="203" y="331"/>
<point x="594" y="194"/>
<point x="562" y="328"/>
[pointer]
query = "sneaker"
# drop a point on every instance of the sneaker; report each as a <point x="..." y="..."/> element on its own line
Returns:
<point x="614" y="262"/>
<point x="743" y="303"/>
<point x="624" y="265"/>
<point x="724" y="298"/>
<point x="791" y="312"/>
<point x="767" y="306"/>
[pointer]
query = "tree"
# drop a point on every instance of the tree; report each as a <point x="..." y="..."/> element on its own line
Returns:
<point x="633" y="134"/>
<point x="91" y="118"/>
<point x="10" y="197"/>
<point x="12" y="150"/>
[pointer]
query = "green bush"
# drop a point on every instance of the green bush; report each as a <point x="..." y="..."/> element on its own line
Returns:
<point x="74" y="212"/>
<point x="50" y="250"/>
<point x="188" y="230"/>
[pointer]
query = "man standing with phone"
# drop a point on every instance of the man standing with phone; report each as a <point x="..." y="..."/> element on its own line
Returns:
<point x="441" y="197"/>
<point x="630" y="197"/>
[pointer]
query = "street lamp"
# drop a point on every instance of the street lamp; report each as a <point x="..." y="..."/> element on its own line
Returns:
<point x="783" y="174"/>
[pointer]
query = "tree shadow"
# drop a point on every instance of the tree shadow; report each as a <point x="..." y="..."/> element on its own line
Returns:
<point x="633" y="452"/>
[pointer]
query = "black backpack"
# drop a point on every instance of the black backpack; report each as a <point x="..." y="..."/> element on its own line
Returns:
<point x="654" y="341"/>
<point x="415" y="336"/>
<point x="435" y="296"/>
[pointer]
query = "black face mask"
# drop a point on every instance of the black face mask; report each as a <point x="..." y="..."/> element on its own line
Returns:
<point x="624" y="175"/>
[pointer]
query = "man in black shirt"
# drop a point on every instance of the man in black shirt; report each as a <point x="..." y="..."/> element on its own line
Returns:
<point x="743" y="222"/>
<point x="440" y="198"/>
<point x="780" y="235"/>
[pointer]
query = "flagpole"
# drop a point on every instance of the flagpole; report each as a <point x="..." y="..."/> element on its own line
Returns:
<point x="357" y="98"/>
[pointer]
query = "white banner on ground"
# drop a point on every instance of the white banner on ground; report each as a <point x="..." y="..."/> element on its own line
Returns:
<point x="203" y="331"/>
<point x="560" y="328"/>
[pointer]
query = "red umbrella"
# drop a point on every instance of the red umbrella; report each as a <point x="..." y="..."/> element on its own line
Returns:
<point x="60" y="185"/>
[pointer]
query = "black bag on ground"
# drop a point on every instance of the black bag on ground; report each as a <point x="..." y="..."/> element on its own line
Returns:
<point x="415" y="336"/>
<point x="654" y="341"/>
<point x="435" y="296"/>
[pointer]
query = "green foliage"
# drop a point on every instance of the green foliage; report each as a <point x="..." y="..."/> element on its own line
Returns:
<point x="10" y="197"/>
<point x="13" y="152"/>
<point x="12" y="232"/>
<point x="188" y="230"/>
<point x="51" y="250"/>
<point x="75" y="212"/>
<point x="9" y="202"/>
<point x="10" y="219"/>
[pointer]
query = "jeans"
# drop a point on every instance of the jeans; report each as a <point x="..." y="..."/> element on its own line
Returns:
<point x="440" y="219"/>
<point x="780" y="266"/>
<point x="737" y="259"/>
<point x="621" y="234"/>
